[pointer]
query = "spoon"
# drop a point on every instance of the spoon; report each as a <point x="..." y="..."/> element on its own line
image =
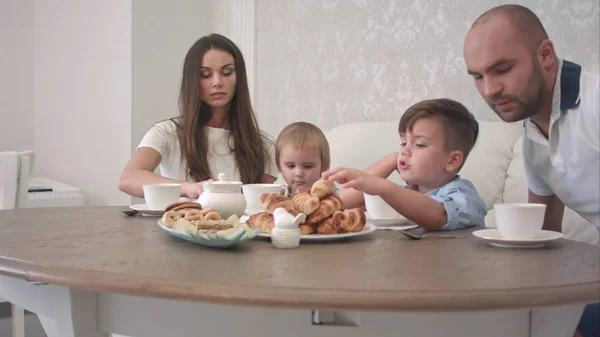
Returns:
<point x="413" y="236"/>
<point x="130" y="212"/>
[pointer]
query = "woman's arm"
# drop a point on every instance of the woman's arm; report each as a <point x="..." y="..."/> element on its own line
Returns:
<point x="268" y="179"/>
<point x="140" y="170"/>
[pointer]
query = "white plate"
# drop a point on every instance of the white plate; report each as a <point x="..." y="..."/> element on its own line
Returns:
<point x="143" y="209"/>
<point x="323" y="237"/>
<point x="493" y="237"/>
<point x="215" y="240"/>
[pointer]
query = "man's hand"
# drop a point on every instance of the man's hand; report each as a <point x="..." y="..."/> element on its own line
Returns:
<point x="352" y="178"/>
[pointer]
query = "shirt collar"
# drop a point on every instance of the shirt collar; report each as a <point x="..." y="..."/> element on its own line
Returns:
<point x="569" y="85"/>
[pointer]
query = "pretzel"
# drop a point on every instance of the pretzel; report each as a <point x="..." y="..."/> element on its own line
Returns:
<point x="194" y="215"/>
<point x="170" y="219"/>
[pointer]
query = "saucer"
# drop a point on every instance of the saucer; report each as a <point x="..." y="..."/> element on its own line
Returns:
<point x="493" y="237"/>
<point x="143" y="209"/>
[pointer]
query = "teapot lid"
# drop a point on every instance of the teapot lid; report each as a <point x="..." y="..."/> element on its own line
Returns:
<point x="222" y="185"/>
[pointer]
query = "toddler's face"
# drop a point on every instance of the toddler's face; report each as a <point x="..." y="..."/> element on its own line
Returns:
<point x="300" y="167"/>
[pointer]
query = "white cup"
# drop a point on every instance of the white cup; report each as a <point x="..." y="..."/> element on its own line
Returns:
<point x="379" y="209"/>
<point x="252" y="193"/>
<point x="159" y="196"/>
<point x="519" y="220"/>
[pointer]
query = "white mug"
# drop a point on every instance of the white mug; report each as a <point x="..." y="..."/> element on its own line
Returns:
<point x="379" y="209"/>
<point x="519" y="220"/>
<point x="252" y="193"/>
<point x="160" y="195"/>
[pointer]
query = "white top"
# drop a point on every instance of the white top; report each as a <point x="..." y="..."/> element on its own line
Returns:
<point x="568" y="163"/>
<point x="162" y="137"/>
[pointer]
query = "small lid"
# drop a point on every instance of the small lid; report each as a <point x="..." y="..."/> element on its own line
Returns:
<point x="223" y="185"/>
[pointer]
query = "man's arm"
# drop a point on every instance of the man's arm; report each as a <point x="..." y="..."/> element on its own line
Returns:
<point x="554" y="210"/>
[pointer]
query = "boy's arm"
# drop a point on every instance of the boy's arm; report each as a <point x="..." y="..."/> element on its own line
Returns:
<point x="415" y="206"/>
<point x="555" y="210"/>
<point x="353" y="198"/>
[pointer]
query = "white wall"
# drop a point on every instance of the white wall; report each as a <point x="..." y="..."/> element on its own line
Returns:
<point x="82" y="80"/>
<point x="161" y="36"/>
<point x="16" y="75"/>
<point x="82" y="94"/>
<point x="334" y="62"/>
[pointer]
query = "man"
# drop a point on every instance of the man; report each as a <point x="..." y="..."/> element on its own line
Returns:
<point x="516" y="70"/>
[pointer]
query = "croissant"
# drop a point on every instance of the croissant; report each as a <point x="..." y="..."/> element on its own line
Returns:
<point x="322" y="188"/>
<point x="327" y="207"/>
<point x="354" y="221"/>
<point x="263" y="220"/>
<point x="331" y="225"/>
<point x="305" y="203"/>
<point x="271" y="201"/>
<point x="306" y="229"/>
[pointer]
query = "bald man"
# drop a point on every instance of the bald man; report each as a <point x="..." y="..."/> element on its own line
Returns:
<point x="517" y="72"/>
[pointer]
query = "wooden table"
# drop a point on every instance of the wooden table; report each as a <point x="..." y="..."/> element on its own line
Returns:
<point x="92" y="271"/>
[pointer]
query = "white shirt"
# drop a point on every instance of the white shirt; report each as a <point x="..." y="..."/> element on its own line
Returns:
<point x="162" y="137"/>
<point x="567" y="164"/>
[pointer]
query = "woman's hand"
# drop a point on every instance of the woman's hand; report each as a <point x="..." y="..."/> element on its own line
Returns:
<point x="193" y="190"/>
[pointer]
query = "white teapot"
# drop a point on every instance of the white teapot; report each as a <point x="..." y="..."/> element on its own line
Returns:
<point x="224" y="196"/>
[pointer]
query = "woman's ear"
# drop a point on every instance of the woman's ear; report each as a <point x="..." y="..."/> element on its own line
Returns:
<point x="455" y="161"/>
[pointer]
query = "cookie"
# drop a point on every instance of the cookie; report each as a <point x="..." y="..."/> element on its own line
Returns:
<point x="181" y="205"/>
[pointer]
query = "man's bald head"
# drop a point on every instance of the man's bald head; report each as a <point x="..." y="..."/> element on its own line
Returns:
<point x="522" y="19"/>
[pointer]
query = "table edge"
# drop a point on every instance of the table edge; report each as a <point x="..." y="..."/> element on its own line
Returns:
<point x="298" y="298"/>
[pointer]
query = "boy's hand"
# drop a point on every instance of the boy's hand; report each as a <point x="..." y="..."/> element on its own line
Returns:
<point x="352" y="178"/>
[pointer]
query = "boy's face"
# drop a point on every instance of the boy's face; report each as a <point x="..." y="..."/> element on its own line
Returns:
<point x="300" y="167"/>
<point x="423" y="159"/>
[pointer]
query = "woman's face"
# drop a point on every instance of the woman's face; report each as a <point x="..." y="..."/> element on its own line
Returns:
<point x="217" y="78"/>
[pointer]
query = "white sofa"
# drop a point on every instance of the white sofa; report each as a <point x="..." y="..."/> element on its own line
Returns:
<point x="495" y="165"/>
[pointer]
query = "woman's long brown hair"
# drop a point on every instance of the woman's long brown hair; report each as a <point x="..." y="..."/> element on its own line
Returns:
<point x="249" y="144"/>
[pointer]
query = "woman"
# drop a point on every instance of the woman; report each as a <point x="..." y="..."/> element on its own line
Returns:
<point x="216" y="131"/>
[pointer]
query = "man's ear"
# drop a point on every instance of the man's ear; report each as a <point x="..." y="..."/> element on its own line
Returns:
<point x="546" y="53"/>
<point x="455" y="161"/>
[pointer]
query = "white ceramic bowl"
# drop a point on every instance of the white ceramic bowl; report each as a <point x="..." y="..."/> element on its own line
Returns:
<point x="252" y="193"/>
<point x="518" y="221"/>
<point x="159" y="195"/>
<point x="379" y="209"/>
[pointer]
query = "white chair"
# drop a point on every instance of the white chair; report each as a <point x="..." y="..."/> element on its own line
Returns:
<point x="26" y="161"/>
<point x="24" y="168"/>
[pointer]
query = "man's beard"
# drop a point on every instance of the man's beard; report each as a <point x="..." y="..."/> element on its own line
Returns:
<point x="529" y="104"/>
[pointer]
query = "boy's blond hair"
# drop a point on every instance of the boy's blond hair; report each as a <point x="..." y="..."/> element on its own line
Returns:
<point x="303" y="134"/>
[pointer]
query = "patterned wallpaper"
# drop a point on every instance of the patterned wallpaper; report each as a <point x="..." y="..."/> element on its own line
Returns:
<point x="331" y="62"/>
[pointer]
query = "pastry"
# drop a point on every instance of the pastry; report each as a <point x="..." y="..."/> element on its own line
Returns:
<point x="354" y="220"/>
<point x="305" y="203"/>
<point x="331" y="225"/>
<point x="181" y="205"/>
<point x="170" y="218"/>
<point x="271" y="201"/>
<point x="322" y="188"/>
<point x="327" y="207"/>
<point x="264" y="221"/>
<point x="210" y="226"/>
<point x="306" y="229"/>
